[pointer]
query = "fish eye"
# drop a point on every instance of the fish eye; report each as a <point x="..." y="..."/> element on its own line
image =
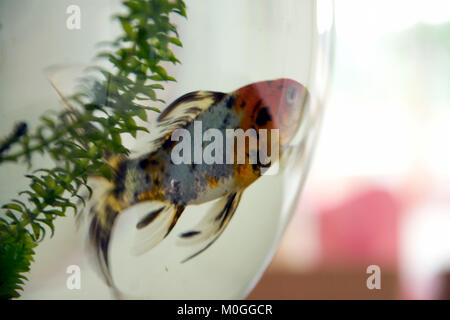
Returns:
<point x="291" y="94"/>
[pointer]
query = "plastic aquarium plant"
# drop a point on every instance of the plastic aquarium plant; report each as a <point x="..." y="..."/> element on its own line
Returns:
<point x="83" y="136"/>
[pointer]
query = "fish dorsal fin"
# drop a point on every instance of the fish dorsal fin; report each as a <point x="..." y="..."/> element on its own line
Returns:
<point x="190" y="105"/>
<point x="181" y="112"/>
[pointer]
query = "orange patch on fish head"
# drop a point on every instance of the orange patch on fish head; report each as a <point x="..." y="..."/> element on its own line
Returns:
<point x="275" y="104"/>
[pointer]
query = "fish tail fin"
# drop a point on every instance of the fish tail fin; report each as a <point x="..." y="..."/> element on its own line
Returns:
<point x="100" y="228"/>
<point x="103" y="213"/>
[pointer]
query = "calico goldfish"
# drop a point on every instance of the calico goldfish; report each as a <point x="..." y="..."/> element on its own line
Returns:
<point x="276" y="104"/>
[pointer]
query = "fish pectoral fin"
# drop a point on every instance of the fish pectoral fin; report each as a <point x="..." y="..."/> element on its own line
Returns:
<point x="212" y="225"/>
<point x="154" y="227"/>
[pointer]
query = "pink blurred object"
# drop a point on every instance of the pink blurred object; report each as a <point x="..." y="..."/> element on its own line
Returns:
<point x="362" y="229"/>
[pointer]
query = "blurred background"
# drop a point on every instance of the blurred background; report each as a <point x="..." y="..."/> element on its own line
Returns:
<point x="378" y="192"/>
<point x="379" y="188"/>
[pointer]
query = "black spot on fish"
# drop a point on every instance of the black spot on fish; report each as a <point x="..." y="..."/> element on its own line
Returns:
<point x="218" y="96"/>
<point x="263" y="116"/>
<point x="144" y="163"/>
<point x="156" y="182"/>
<point x="230" y="102"/>
<point x="167" y="144"/>
<point x="120" y="174"/>
<point x="255" y="108"/>
<point x="226" y="121"/>
<point x="121" y="170"/>
<point x="242" y="104"/>
<point x="189" y="234"/>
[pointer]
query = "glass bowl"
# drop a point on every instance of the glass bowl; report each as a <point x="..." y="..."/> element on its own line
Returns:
<point x="227" y="44"/>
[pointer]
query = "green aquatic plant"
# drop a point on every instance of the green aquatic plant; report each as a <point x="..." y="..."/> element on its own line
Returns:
<point x="85" y="134"/>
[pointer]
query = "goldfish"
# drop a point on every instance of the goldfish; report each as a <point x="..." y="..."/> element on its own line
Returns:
<point x="156" y="177"/>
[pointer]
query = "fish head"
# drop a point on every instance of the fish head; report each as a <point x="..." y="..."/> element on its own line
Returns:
<point x="274" y="104"/>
